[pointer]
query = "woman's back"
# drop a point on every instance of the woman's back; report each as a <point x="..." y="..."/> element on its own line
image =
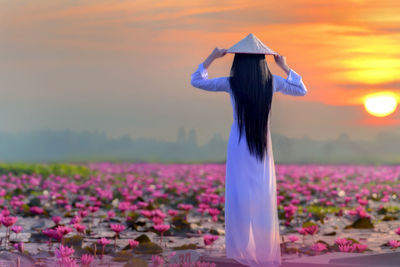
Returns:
<point x="293" y="85"/>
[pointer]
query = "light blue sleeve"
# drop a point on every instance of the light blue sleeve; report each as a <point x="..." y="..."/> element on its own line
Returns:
<point x="200" y="80"/>
<point x="293" y="85"/>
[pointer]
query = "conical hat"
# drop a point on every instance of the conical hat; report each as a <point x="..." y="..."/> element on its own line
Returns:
<point x="251" y="45"/>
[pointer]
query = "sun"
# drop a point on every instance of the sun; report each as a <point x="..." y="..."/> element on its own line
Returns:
<point x="380" y="104"/>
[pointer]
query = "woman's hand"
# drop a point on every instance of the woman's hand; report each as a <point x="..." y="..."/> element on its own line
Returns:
<point x="216" y="53"/>
<point x="281" y="62"/>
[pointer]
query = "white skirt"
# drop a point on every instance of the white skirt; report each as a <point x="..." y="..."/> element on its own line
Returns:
<point x="251" y="217"/>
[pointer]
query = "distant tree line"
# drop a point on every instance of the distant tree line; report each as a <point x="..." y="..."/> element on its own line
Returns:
<point x="67" y="146"/>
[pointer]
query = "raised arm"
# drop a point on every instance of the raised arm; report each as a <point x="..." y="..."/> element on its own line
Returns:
<point x="293" y="84"/>
<point x="200" y="79"/>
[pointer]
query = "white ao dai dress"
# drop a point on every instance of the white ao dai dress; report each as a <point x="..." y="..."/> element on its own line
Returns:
<point x="251" y="217"/>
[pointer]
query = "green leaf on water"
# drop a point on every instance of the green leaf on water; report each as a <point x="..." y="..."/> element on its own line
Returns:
<point x="389" y="218"/>
<point x="361" y="223"/>
<point x="123" y="255"/>
<point x="180" y="223"/>
<point x="143" y="239"/>
<point x="186" y="246"/>
<point x="148" y="248"/>
<point x="309" y="223"/>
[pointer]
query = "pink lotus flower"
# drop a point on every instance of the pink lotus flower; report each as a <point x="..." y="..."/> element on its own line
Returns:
<point x="79" y="227"/>
<point x="63" y="230"/>
<point x="302" y="231"/>
<point x="51" y="233"/>
<point x="173" y="212"/>
<point x="397" y="231"/>
<point x="347" y="200"/>
<point x="124" y="206"/>
<point x="93" y="209"/>
<point x="142" y="204"/>
<point x="280" y="199"/>
<point x="146" y="213"/>
<point x="157" y="220"/>
<point x="19" y="246"/>
<point x="359" y="211"/>
<point x="5" y="212"/>
<point x="133" y="243"/>
<point x="293" y="238"/>
<point x="394" y="243"/>
<point x="161" y="227"/>
<point x="83" y="213"/>
<point x="56" y="219"/>
<point x="110" y="214"/>
<point x="36" y="210"/>
<point x="64" y="251"/>
<point x="86" y="259"/>
<point x="347" y="248"/>
<point x="363" y="202"/>
<point x="214" y="213"/>
<point x="343" y="241"/>
<point x="159" y="213"/>
<point x="313" y="229"/>
<point x="8" y="221"/>
<point x="295" y="201"/>
<point x="360" y="247"/>
<point x="185" y="207"/>
<point x="117" y="228"/>
<point x="16" y="229"/>
<point x="103" y="241"/>
<point x="202" y="207"/>
<point x="319" y="247"/>
<point x="209" y="239"/>
<point x="75" y="220"/>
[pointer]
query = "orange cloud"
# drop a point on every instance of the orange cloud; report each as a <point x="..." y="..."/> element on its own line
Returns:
<point x="329" y="42"/>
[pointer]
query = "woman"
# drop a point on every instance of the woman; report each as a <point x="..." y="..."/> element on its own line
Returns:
<point x="251" y="217"/>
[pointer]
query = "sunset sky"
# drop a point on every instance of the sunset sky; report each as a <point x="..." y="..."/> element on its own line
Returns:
<point x="124" y="66"/>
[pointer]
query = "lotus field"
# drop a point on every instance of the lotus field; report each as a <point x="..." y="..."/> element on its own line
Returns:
<point x="142" y="214"/>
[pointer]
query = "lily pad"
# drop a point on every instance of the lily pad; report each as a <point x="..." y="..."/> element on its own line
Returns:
<point x="143" y="239"/>
<point x="123" y="255"/>
<point x="148" y="248"/>
<point x="390" y="218"/>
<point x="361" y="223"/>
<point x="309" y="223"/>
<point x="186" y="246"/>
<point x="180" y="223"/>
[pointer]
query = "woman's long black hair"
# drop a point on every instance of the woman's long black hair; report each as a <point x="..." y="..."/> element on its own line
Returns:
<point x="251" y="83"/>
